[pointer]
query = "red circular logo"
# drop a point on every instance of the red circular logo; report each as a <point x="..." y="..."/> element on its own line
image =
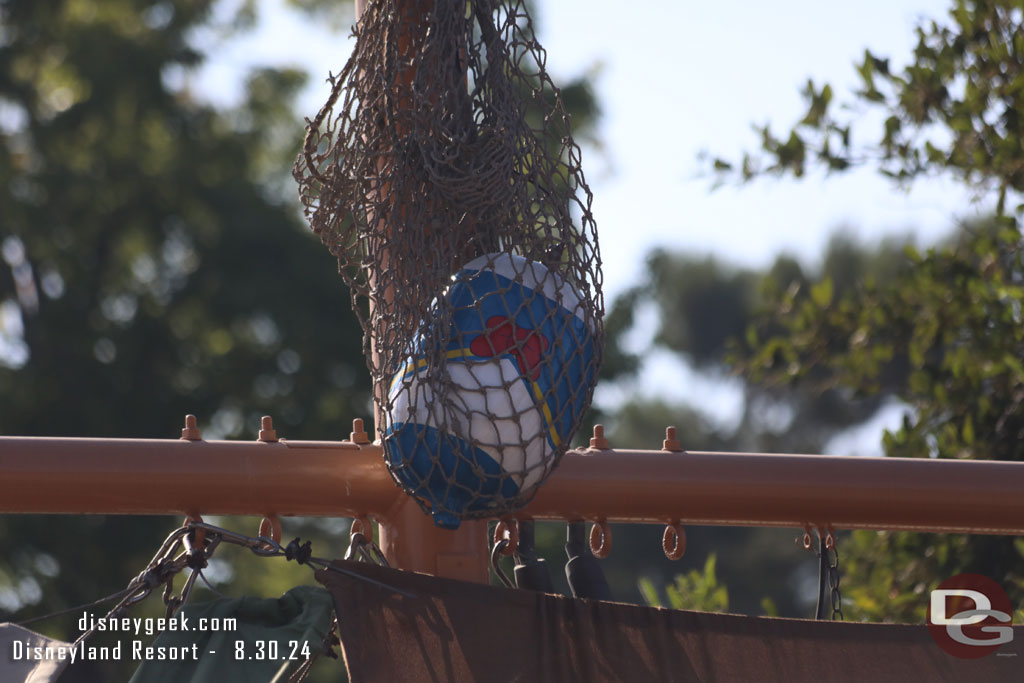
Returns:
<point x="970" y="616"/>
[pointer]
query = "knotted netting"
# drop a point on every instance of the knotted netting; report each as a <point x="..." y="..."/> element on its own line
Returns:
<point x="442" y="174"/>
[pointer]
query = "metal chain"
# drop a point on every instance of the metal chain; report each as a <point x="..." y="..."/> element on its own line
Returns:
<point x="836" y="598"/>
<point x="160" y="571"/>
<point x="169" y="561"/>
<point x="828" y="572"/>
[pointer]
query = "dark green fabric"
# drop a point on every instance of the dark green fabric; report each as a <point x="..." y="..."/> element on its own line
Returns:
<point x="303" y="614"/>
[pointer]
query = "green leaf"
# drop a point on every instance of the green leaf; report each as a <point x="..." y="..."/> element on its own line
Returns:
<point x="822" y="292"/>
<point x="967" y="431"/>
<point x="649" y="592"/>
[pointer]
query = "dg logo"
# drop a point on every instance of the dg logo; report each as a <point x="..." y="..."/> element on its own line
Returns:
<point x="970" y="615"/>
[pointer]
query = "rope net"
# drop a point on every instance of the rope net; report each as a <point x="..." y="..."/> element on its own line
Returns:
<point x="442" y="174"/>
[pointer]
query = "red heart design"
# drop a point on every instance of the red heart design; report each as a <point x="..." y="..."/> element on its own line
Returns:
<point x="526" y="345"/>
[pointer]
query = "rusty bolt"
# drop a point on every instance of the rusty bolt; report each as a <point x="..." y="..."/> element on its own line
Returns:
<point x="267" y="433"/>
<point x="191" y="430"/>
<point x="599" y="442"/>
<point x="358" y="434"/>
<point x="671" y="443"/>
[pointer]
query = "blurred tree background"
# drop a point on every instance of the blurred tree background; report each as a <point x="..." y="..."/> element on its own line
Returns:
<point x="821" y="350"/>
<point x="940" y="331"/>
<point x="158" y="265"/>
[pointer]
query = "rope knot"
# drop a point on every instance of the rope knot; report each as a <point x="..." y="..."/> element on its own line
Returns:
<point x="298" y="552"/>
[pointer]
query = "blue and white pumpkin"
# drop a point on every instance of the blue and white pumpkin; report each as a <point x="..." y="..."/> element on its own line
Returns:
<point x="519" y="364"/>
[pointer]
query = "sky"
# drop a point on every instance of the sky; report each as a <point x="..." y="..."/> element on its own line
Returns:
<point x="674" y="78"/>
<point x="681" y="77"/>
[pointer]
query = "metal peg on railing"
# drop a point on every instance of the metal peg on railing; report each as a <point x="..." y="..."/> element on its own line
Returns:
<point x="358" y="435"/>
<point x="267" y="432"/>
<point x="671" y="443"/>
<point x="191" y="430"/>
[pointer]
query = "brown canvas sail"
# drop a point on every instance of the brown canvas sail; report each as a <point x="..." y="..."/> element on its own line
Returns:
<point x="456" y="631"/>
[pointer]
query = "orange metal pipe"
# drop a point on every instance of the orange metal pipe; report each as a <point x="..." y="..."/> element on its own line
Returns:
<point x="750" y="489"/>
<point x="128" y="476"/>
<point x="165" y="476"/>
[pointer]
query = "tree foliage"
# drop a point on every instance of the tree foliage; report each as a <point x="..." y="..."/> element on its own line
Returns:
<point x="156" y="265"/>
<point x="695" y="590"/>
<point x="955" y="108"/>
<point x="943" y="335"/>
<point x="938" y="331"/>
<point x="146" y="256"/>
<point x="945" y="338"/>
<point x="153" y="270"/>
<point x="705" y="308"/>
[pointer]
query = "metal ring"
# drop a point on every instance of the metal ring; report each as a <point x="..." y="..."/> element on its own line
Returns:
<point x="265" y="547"/>
<point x="507" y="530"/>
<point x="199" y="536"/>
<point x="361" y="525"/>
<point x="270" y="527"/>
<point x="600" y="539"/>
<point x="830" y="541"/>
<point x="673" y="541"/>
<point x="808" y="541"/>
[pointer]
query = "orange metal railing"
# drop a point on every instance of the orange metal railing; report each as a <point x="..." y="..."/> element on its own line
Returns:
<point x="276" y="478"/>
<point x="164" y="476"/>
<point x="320" y="478"/>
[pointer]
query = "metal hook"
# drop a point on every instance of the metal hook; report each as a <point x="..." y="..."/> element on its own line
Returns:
<point x="361" y="545"/>
<point x="358" y="548"/>
<point x="500" y="549"/>
<point x="186" y="592"/>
